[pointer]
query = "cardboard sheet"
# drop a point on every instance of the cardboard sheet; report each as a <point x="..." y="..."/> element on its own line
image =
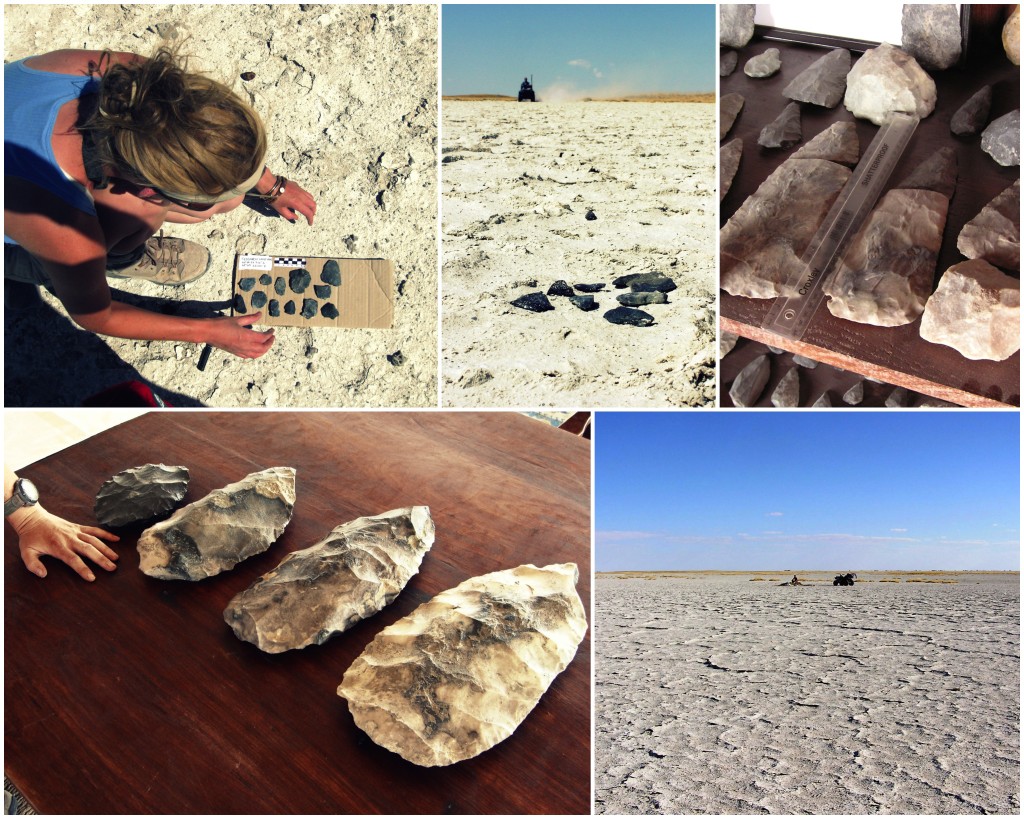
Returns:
<point x="300" y="291"/>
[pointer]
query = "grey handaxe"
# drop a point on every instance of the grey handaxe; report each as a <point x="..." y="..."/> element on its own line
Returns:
<point x="461" y="672"/>
<point x="219" y="531"/>
<point x="315" y="593"/>
<point x="140" y="494"/>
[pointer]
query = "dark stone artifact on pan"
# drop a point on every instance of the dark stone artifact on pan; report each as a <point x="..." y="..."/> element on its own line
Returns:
<point x="331" y="274"/>
<point x="266" y="279"/>
<point x="534" y="302"/>
<point x="629" y="315"/>
<point x="274" y="308"/>
<point x="246" y="284"/>
<point x="279" y="285"/>
<point x="140" y="494"/>
<point x="258" y="300"/>
<point x="315" y="593"/>
<point x="214" y="534"/>
<point x="289" y="307"/>
<point x="299" y="280"/>
<point x="329" y="311"/>
<point x="560" y="288"/>
<point x="323" y="291"/>
<point x="309" y="308"/>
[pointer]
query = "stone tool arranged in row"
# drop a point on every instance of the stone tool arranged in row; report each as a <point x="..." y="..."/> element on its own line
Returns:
<point x="644" y="289"/>
<point x="447" y="682"/>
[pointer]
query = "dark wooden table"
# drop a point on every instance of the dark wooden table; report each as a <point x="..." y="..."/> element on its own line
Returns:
<point x="131" y="695"/>
<point x="896" y="355"/>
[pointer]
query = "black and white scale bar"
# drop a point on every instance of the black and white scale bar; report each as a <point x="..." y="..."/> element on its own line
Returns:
<point x="289" y="261"/>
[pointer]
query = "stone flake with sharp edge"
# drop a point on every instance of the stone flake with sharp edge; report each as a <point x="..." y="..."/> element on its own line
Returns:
<point x="787" y="392"/>
<point x="784" y="131"/>
<point x="976" y="311"/>
<point x="728" y="163"/>
<point x="973" y="114"/>
<point x="461" y="672"/>
<point x="315" y="593"/>
<point x="1001" y="140"/>
<point x="736" y="24"/>
<point x="837" y="143"/>
<point x="763" y="65"/>
<point x="140" y="494"/>
<point x="749" y="384"/>
<point x="823" y="81"/>
<point x="994" y="234"/>
<point x="216" y="533"/>
<point x="729" y="107"/>
<point x="727" y="59"/>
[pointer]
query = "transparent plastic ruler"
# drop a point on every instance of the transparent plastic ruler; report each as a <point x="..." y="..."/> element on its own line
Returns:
<point x="790" y="315"/>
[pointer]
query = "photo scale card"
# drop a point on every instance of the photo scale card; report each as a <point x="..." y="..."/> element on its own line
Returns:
<point x="315" y="291"/>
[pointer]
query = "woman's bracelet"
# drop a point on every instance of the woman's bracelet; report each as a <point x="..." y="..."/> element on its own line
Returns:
<point x="273" y="194"/>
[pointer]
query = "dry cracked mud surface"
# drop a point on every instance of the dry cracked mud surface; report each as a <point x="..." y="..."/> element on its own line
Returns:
<point x="723" y="695"/>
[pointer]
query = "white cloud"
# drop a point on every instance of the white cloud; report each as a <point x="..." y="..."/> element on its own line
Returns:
<point x="579" y="63"/>
<point x="774" y="514"/>
<point x="897" y="530"/>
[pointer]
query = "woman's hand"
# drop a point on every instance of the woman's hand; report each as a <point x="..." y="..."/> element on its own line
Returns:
<point x="42" y="533"/>
<point x="232" y="335"/>
<point x="293" y="201"/>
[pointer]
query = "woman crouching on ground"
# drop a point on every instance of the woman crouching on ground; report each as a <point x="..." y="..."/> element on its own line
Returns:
<point x="100" y="150"/>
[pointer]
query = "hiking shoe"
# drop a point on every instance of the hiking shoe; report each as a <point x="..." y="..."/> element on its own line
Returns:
<point x="168" y="261"/>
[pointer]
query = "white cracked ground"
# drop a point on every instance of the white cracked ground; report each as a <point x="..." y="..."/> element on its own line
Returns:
<point x="727" y="696"/>
<point x="517" y="183"/>
<point x="349" y="97"/>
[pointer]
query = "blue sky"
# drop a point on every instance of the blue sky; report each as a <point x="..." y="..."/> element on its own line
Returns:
<point x="578" y="50"/>
<point x="846" y="491"/>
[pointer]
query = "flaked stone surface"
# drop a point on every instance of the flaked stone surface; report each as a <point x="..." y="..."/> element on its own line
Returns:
<point x="630" y="316"/>
<point x="590" y="288"/>
<point x="219" y="531"/>
<point x="762" y="243"/>
<point x="728" y="163"/>
<point x="329" y="311"/>
<point x="837" y="143"/>
<point x="729" y="107"/>
<point x="823" y="81"/>
<point x="937" y="173"/>
<point x="809" y="363"/>
<point x="258" y="300"/>
<point x="855" y="394"/>
<point x="931" y="33"/>
<point x="1011" y="36"/>
<point x="309" y="308"/>
<point x="560" y="288"/>
<point x="727" y="59"/>
<point x="887" y="80"/>
<point x="824" y="401"/>
<point x="749" y="384"/>
<point x="976" y="311"/>
<point x="534" y="302"/>
<point x="736" y="24"/>
<point x="585" y="302"/>
<point x="971" y="117"/>
<point x="887" y="270"/>
<point x="299" y="279"/>
<point x="784" y="131"/>
<point x="315" y="593"/>
<point x="642" y="298"/>
<point x="726" y="341"/>
<point x="461" y="673"/>
<point x="994" y="234"/>
<point x="246" y="284"/>
<point x="1001" y="140"/>
<point x="649" y="282"/>
<point x="763" y="65"/>
<point x="331" y="273"/>
<point x="899" y="397"/>
<point x="140" y="494"/>
<point x="787" y="391"/>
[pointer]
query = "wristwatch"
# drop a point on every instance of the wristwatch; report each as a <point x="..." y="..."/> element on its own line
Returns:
<point x="24" y="494"/>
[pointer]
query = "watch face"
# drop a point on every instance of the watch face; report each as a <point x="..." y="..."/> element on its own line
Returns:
<point x="28" y="489"/>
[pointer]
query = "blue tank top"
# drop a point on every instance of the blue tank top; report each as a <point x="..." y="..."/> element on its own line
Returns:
<point x="32" y="99"/>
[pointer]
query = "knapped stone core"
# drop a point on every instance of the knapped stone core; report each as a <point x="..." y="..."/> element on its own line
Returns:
<point x="736" y="24"/>
<point x="823" y="81"/>
<point x="887" y="80"/>
<point x="315" y="593"/>
<point x="1001" y="140"/>
<point x="140" y="494"/>
<point x="976" y="311"/>
<point x="787" y="391"/>
<point x="994" y="234"/>
<point x="763" y="65"/>
<point x="219" y="531"/>
<point x="461" y="673"/>
<point x="931" y="33"/>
